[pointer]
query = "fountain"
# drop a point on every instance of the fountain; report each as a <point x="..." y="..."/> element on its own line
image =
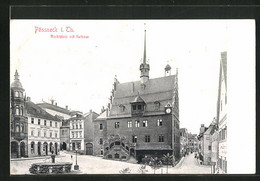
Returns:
<point x="51" y="167"/>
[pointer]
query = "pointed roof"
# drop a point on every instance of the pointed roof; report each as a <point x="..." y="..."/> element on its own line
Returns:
<point x="138" y="99"/>
<point x="144" y="59"/>
<point x="167" y="67"/>
<point x="16" y="83"/>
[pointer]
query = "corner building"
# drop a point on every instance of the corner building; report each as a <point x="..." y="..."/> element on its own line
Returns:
<point x="142" y="118"/>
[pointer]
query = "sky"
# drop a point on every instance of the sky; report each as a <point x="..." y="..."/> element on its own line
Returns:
<point x="79" y="72"/>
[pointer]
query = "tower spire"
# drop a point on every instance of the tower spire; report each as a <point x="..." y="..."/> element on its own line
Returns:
<point x="144" y="67"/>
<point x="144" y="59"/>
<point x="16" y="75"/>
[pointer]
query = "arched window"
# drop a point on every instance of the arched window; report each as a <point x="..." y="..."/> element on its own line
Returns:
<point x="22" y="127"/>
<point x="21" y="111"/>
<point x="17" y="128"/>
<point x="156" y="105"/>
<point x="16" y="94"/>
<point x="32" y="147"/>
<point x="21" y="94"/>
<point x="17" y="110"/>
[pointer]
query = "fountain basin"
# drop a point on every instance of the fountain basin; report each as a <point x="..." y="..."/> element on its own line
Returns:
<point x="50" y="168"/>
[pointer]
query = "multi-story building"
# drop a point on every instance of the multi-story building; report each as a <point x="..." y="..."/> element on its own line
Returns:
<point x="43" y="131"/>
<point x="19" y="120"/>
<point x="89" y="138"/>
<point x="142" y="117"/>
<point x="205" y="145"/>
<point x="222" y="114"/>
<point x="65" y="135"/>
<point x="183" y="141"/>
<point x="77" y="132"/>
<point x="192" y="143"/>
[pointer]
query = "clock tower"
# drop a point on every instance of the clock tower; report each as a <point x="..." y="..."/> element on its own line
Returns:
<point x="168" y="108"/>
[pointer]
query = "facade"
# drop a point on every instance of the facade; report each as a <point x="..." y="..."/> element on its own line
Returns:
<point x="89" y="138"/>
<point x="192" y="143"/>
<point x="19" y="120"/>
<point x="142" y="117"/>
<point x="222" y="114"/>
<point x="65" y="135"/>
<point x="43" y="131"/>
<point x="77" y="132"/>
<point x="183" y="141"/>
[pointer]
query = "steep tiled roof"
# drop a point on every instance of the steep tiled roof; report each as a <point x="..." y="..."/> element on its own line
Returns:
<point x="158" y="89"/>
<point x="54" y="107"/>
<point x="37" y="111"/>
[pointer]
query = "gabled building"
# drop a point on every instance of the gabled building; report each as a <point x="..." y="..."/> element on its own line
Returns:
<point x="142" y="117"/>
<point x="43" y="131"/>
<point x="222" y="114"/>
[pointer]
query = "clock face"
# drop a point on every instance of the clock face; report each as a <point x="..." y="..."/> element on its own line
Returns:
<point x="168" y="110"/>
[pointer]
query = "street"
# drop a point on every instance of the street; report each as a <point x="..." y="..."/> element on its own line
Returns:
<point x="97" y="165"/>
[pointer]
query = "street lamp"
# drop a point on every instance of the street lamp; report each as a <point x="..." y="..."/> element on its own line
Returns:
<point x="76" y="167"/>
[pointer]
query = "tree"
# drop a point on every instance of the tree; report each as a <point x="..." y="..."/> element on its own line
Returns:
<point x="168" y="159"/>
<point x="155" y="163"/>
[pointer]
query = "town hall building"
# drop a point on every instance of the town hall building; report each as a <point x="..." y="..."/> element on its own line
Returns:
<point x="142" y="118"/>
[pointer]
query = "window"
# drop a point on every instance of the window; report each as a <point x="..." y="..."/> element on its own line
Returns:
<point x="32" y="120"/>
<point x="45" y="123"/>
<point x="80" y="126"/>
<point x="145" y="123"/>
<point x="56" y="124"/>
<point x="100" y="126"/>
<point x="161" y="138"/>
<point x="80" y="134"/>
<point x="73" y="126"/>
<point x="209" y="147"/>
<point x="39" y="133"/>
<point x="17" y="128"/>
<point x="159" y="122"/>
<point x="134" y="139"/>
<point x="22" y="128"/>
<point x="16" y="94"/>
<point x="139" y="107"/>
<point x="21" y="113"/>
<point x="56" y="135"/>
<point x="156" y="105"/>
<point x="76" y="134"/>
<point x="101" y="141"/>
<point x="50" y="123"/>
<point x="39" y="122"/>
<point x="76" y="126"/>
<point x="122" y="108"/>
<point x="79" y="146"/>
<point x="16" y="111"/>
<point x="137" y="124"/>
<point x="147" y="138"/>
<point x="32" y="133"/>
<point x="62" y="132"/>
<point x="21" y="94"/>
<point x="129" y="124"/>
<point x="44" y="134"/>
<point x="32" y="147"/>
<point x="101" y="152"/>
<point x="72" y="134"/>
<point x="116" y="124"/>
<point x="50" y="134"/>
<point x="134" y="107"/>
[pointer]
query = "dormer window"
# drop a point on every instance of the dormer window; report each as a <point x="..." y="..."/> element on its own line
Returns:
<point x="122" y="108"/>
<point x="134" y="107"/>
<point x="156" y="105"/>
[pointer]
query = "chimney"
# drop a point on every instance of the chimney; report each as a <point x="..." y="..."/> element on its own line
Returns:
<point x="56" y="104"/>
<point x="52" y="101"/>
<point x="90" y="110"/>
<point x="28" y="98"/>
<point x="67" y="107"/>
